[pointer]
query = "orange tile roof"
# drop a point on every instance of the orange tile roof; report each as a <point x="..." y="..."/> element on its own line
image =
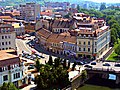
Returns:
<point x="44" y="33"/>
<point x="70" y="39"/>
<point x="5" y="17"/>
<point x="8" y="59"/>
<point x="65" y="34"/>
<point x="60" y="23"/>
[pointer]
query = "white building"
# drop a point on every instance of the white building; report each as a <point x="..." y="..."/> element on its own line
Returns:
<point x="10" y="69"/>
<point x="7" y="37"/>
<point x="19" y="28"/>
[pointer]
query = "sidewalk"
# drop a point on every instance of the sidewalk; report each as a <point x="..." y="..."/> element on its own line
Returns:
<point x="101" y="56"/>
<point x="29" y="87"/>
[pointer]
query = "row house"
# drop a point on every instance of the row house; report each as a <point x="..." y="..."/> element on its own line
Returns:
<point x="11" y="69"/>
<point x="70" y="45"/>
<point x="60" y="25"/>
<point x="55" y="44"/>
<point x="42" y="35"/>
<point x="7" y="37"/>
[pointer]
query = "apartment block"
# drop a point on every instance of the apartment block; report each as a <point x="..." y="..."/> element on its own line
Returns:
<point x="29" y="11"/>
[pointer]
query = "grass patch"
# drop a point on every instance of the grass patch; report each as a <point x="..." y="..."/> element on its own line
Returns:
<point x="113" y="57"/>
<point x="93" y="87"/>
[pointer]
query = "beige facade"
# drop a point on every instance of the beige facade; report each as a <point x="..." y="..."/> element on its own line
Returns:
<point x="93" y="45"/>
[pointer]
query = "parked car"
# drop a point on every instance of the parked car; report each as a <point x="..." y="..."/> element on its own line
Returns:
<point x="88" y="66"/>
<point x="106" y="64"/>
<point x="117" y="65"/>
<point x="93" y="63"/>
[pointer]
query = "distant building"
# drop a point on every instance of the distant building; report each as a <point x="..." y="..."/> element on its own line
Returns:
<point x="19" y="28"/>
<point x="7" y="37"/>
<point x="29" y="11"/>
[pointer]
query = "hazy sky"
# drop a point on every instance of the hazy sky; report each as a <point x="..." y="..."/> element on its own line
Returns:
<point x="107" y="1"/>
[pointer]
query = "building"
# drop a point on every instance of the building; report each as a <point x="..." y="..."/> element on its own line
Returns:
<point x="29" y="11"/>
<point x="7" y="37"/>
<point x="92" y="44"/>
<point x="70" y="46"/>
<point x="82" y="36"/>
<point x="10" y="69"/>
<point x="19" y="28"/>
<point x="60" y="25"/>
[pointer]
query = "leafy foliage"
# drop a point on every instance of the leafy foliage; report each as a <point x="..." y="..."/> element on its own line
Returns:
<point x="117" y="50"/>
<point x="52" y="76"/>
<point x="50" y="62"/>
<point x="8" y="86"/>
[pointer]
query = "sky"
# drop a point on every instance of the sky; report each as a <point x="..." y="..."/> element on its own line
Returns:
<point x="107" y="1"/>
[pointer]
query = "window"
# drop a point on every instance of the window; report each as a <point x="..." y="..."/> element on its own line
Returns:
<point x="6" y="43"/>
<point x="79" y="42"/>
<point x="88" y="42"/>
<point x="5" y="78"/>
<point x="79" y="49"/>
<point x="2" y="37"/>
<point x="88" y="49"/>
<point x="84" y="43"/>
<point x="17" y="75"/>
<point x="5" y="37"/>
<point x="14" y="76"/>
<point x="9" y="47"/>
<point x="2" y="48"/>
<point x="95" y="50"/>
<point x="9" y="42"/>
<point x="8" y="36"/>
<point x="83" y="49"/>
<point x="2" y="43"/>
<point x="95" y="43"/>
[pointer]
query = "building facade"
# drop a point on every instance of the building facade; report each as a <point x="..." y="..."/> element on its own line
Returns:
<point x="93" y="44"/>
<point x="7" y="37"/>
<point x="19" y="28"/>
<point x="10" y="69"/>
<point x="29" y="11"/>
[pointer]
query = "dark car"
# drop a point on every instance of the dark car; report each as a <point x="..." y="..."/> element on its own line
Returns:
<point x="93" y="63"/>
<point x="117" y="65"/>
<point x="106" y="64"/>
<point x="88" y="66"/>
<point x="80" y="63"/>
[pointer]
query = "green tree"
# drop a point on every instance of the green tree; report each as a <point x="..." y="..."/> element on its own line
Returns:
<point x="117" y="50"/>
<point x="84" y="75"/>
<point x="38" y="65"/>
<point x="78" y="7"/>
<point x="8" y="86"/>
<point x="103" y="6"/>
<point x="73" y="67"/>
<point x="50" y="62"/>
<point x="68" y="65"/>
<point x="56" y="62"/>
<point x="64" y="63"/>
<point x="113" y="39"/>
